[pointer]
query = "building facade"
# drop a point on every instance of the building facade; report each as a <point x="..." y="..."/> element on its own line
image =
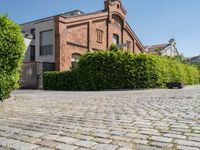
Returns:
<point x="168" y="49"/>
<point x="194" y="60"/>
<point x="61" y="39"/>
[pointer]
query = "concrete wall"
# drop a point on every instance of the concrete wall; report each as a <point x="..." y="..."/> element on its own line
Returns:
<point x="44" y="26"/>
<point x="27" y="54"/>
<point x="39" y="27"/>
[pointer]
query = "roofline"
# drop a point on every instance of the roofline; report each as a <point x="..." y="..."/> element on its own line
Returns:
<point x="50" y="17"/>
<point x="136" y="36"/>
<point x="149" y="46"/>
<point x="86" y="14"/>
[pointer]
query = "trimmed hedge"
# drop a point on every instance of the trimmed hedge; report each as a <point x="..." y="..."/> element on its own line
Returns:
<point x="12" y="50"/>
<point x="55" y="80"/>
<point x="120" y="70"/>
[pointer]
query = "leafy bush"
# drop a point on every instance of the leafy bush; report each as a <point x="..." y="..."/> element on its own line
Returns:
<point x="59" y="80"/>
<point x="120" y="70"/>
<point x="12" y="50"/>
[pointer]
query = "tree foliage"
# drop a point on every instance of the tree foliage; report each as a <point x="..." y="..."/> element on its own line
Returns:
<point x="12" y="49"/>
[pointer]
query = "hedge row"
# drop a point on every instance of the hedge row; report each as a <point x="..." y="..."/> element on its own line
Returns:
<point x="12" y="50"/>
<point x="119" y="70"/>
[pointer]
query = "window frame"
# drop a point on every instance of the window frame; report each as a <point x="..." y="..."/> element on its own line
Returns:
<point x="99" y="36"/>
<point x="48" y="49"/>
<point x="32" y="55"/>
<point x="128" y="45"/>
<point x="33" y="33"/>
<point x="117" y="39"/>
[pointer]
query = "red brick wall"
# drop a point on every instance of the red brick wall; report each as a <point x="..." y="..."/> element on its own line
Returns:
<point x="99" y="25"/>
<point x="78" y="34"/>
<point x="127" y="37"/>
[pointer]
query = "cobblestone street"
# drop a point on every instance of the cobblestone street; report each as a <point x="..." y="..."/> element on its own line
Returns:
<point x="113" y="120"/>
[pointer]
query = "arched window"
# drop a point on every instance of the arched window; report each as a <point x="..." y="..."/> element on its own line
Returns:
<point x="75" y="58"/>
<point x="115" y="39"/>
<point x="118" y="22"/>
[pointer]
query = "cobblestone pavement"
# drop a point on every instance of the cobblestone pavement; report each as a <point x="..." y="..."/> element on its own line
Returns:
<point x="119" y="120"/>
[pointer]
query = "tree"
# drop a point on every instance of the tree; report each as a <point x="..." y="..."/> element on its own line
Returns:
<point x="12" y="50"/>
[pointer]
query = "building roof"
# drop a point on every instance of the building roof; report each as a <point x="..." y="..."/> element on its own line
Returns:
<point x="64" y="14"/>
<point x="195" y="59"/>
<point x="159" y="46"/>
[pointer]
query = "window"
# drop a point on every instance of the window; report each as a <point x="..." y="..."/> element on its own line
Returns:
<point x="128" y="45"/>
<point x="115" y="39"/>
<point x="32" y="53"/>
<point x="75" y="58"/>
<point x="33" y="33"/>
<point x="118" y="22"/>
<point x="46" y="43"/>
<point x="99" y="36"/>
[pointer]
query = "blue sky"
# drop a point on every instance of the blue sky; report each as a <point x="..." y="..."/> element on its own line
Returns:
<point x="154" y="21"/>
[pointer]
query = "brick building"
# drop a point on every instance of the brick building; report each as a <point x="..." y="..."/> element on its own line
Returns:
<point x="61" y="39"/>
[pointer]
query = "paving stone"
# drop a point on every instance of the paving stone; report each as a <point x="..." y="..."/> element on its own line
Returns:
<point x="102" y="140"/>
<point x="124" y="144"/>
<point x="100" y="130"/>
<point x="50" y="137"/>
<point x="32" y="133"/>
<point x="162" y="145"/>
<point x="2" y="139"/>
<point x="67" y="140"/>
<point x="83" y="137"/>
<point x="192" y="134"/>
<point x="161" y="139"/>
<point x="18" y="145"/>
<point x="23" y="146"/>
<point x="187" y="143"/>
<point x="150" y="133"/>
<point x="47" y="143"/>
<point x="125" y="148"/>
<point x="145" y="147"/>
<point x="114" y="117"/>
<point x="42" y="148"/>
<point x="119" y="133"/>
<point x="180" y="147"/>
<point x="177" y="136"/>
<point x="180" y="130"/>
<point x="24" y="138"/>
<point x="105" y="147"/>
<point x="197" y="139"/>
<point x="139" y="136"/>
<point x="87" y="144"/>
<point x="101" y="135"/>
<point x="139" y="141"/>
<point x="121" y="138"/>
<point x="66" y="147"/>
<point x="7" y="142"/>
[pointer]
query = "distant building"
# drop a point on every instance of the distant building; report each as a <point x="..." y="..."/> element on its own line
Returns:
<point x="168" y="49"/>
<point x="195" y="59"/>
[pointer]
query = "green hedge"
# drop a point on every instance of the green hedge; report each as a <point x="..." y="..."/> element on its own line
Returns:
<point x="60" y="80"/>
<point x="119" y="70"/>
<point x="12" y="50"/>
